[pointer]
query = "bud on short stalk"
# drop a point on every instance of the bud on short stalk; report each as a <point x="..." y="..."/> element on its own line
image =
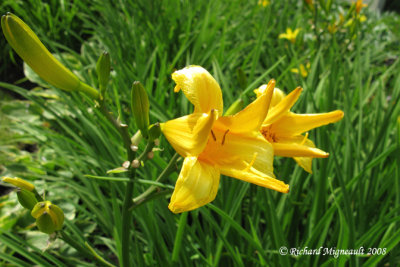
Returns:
<point x="49" y="217"/>
<point x="26" y="198"/>
<point x="28" y="46"/>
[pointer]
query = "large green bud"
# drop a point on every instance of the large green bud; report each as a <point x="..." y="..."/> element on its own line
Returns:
<point x="28" y="46"/>
<point x="26" y="198"/>
<point x="49" y="217"/>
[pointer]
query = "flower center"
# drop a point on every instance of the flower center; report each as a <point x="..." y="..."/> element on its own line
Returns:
<point x="269" y="134"/>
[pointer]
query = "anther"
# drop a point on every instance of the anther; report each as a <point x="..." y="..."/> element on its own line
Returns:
<point x="223" y="138"/>
<point x="213" y="135"/>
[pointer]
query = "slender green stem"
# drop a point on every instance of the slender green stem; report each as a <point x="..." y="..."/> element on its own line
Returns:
<point x="126" y="211"/>
<point x="146" y="194"/>
<point x="83" y="87"/>
<point x="122" y="129"/>
<point x="126" y="220"/>
<point x="178" y="237"/>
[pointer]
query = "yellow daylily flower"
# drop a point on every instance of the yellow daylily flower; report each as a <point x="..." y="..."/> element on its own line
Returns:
<point x="28" y="46"/>
<point x="283" y="128"/>
<point x="263" y="3"/>
<point x="359" y="6"/>
<point x="303" y="70"/>
<point x="290" y="35"/>
<point x="213" y="144"/>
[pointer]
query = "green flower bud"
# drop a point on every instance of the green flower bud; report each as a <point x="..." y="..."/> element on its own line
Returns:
<point x="49" y="217"/>
<point x="26" y="198"/>
<point x="235" y="107"/>
<point x="28" y="46"/>
<point x="20" y="183"/>
<point x="136" y="139"/>
<point x="103" y="69"/>
<point x="154" y="131"/>
<point x="140" y="107"/>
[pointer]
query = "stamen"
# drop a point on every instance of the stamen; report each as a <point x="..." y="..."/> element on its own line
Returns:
<point x="304" y="140"/>
<point x="213" y="135"/>
<point x="223" y="138"/>
<point x="251" y="162"/>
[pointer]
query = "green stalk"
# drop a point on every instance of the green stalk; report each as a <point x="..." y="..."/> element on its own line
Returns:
<point x="126" y="211"/>
<point x="146" y="194"/>
<point x="126" y="219"/>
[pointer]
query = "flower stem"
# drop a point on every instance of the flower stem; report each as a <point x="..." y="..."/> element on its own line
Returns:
<point x="146" y="194"/>
<point x="126" y="219"/>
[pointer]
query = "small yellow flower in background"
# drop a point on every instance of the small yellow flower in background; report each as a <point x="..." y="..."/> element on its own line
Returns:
<point x="360" y="18"/>
<point x="213" y="144"/>
<point x="359" y="6"/>
<point x="20" y="183"/>
<point x="290" y="35"/>
<point x="304" y="70"/>
<point x="28" y="46"/>
<point x="263" y="3"/>
<point x="283" y="128"/>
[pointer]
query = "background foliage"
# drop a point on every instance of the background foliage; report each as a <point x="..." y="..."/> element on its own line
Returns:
<point x="55" y="139"/>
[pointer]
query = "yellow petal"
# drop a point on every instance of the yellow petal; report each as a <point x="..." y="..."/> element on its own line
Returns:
<point x="250" y="118"/>
<point x="247" y="157"/>
<point x="256" y="178"/>
<point x="188" y="135"/>
<point x="277" y="96"/>
<point x="200" y="88"/>
<point x="283" y="107"/>
<point x="296" y="150"/>
<point x="283" y="36"/>
<point x="305" y="163"/>
<point x="196" y="186"/>
<point x="295" y="124"/>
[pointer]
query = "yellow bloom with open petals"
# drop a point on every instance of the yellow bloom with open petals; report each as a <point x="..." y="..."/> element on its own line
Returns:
<point x="303" y="70"/>
<point x="290" y="35"/>
<point x="263" y="3"/>
<point x="283" y="128"/>
<point x="359" y="6"/>
<point x="213" y="144"/>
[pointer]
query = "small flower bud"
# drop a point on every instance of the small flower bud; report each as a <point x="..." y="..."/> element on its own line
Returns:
<point x="150" y="155"/>
<point x="140" y="107"/>
<point x="135" y="163"/>
<point x="126" y="164"/>
<point x="26" y="198"/>
<point x="103" y="69"/>
<point x="136" y="138"/>
<point x="28" y="46"/>
<point x="49" y="217"/>
<point x="134" y="148"/>
<point x="18" y="182"/>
